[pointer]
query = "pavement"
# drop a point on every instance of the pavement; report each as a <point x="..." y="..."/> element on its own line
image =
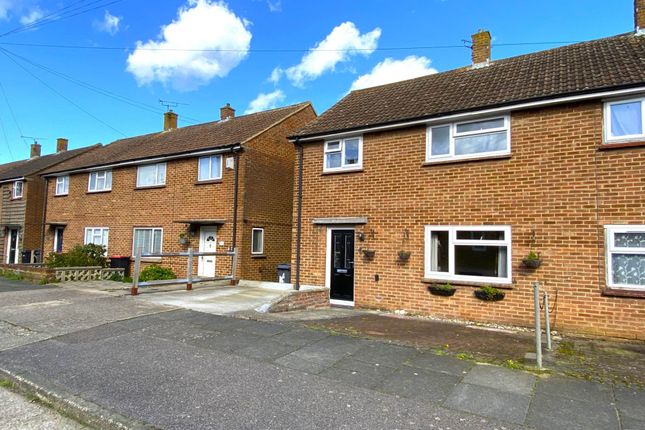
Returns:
<point x="180" y="369"/>
<point x="20" y="413"/>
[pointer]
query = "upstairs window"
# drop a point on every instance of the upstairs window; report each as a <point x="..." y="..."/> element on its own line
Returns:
<point x="17" y="190"/>
<point x="343" y="154"/>
<point x="210" y="168"/>
<point x="625" y="246"/>
<point x="151" y="175"/>
<point x="100" y="181"/>
<point x="625" y="120"/>
<point x="473" y="139"/>
<point x="62" y="185"/>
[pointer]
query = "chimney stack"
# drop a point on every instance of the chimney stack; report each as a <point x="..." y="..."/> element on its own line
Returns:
<point x="35" y="150"/>
<point x="481" y="47"/>
<point x="61" y="144"/>
<point x="639" y="16"/>
<point x="227" y="112"/>
<point x="169" y="121"/>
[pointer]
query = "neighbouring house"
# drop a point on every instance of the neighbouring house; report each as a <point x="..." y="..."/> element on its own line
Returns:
<point x="22" y="194"/>
<point x="214" y="187"/>
<point x="456" y="177"/>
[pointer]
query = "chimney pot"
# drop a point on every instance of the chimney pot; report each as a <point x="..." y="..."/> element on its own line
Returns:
<point x="169" y="121"/>
<point x="61" y="144"/>
<point x="639" y="16"/>
<point x="481" y="47"/>
<point x="35" y="150"/>
<point x="226" y="112"/>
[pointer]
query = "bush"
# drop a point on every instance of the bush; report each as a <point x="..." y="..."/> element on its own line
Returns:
<point x="155" y="273"/>
<point x="79" y="256"/>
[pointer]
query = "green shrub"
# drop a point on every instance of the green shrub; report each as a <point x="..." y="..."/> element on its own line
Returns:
<point x="489" y="293"/>
<point x="7" y="274"/>
<point x="155" y="272"/>
<point x="79" y="256"/>
<point x="532" y="256"/>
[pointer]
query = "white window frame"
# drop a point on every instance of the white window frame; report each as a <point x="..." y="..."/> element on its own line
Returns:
<point x="452" y="241"/>
<point x="64" y="181"/>
<point x="210" y="168"/>
<point x="454" y="134"/>
<point x="343" y="166"/>
<point x="102" y="229"/>
<point x="607" y="121"/>
<point x="253" y="241"/>
<point x="105" y="174"/>
<point x="153" y="229"/>
<point x="14" y="189"/>
<point x="157" y="166"/>
<point x="610" y="249"/>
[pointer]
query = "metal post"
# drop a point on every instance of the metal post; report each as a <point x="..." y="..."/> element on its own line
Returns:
<point x="137" y="266"/>
<point x="538" y="327"/>
<point x="547" y="322"/>
<point x="234" y="264"/>
<point x="189" y="270"/>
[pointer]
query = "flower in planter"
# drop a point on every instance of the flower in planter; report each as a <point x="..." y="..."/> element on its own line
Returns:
<point x="489" y="294"/>
<point x="532" y="260"/>
<point x="445" y="290"/>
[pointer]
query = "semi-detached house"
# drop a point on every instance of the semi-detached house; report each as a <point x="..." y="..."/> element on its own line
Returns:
<point x="456" y="177"/>
<point x="213" y="187"/>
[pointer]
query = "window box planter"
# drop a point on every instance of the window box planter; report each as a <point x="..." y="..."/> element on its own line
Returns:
<point x="445" y="290"/>
<point x="368" y="253"/>
<point x="404" y="255"/>
<point x="489" y="294"/>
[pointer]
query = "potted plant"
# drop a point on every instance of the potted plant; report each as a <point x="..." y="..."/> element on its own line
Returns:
<point x="489" y="294"/>
<point x="183" y="239"/>
<point x="445" y="290"/>
<point x="532" y="260"/>
<point x="404" y="255"/>
<point x="368" y="253"/>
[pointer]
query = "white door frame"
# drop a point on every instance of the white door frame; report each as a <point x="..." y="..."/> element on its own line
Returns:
<point x="328" y="264"/>
<point x="8" y="247"/>
<point x="201" y="261"/>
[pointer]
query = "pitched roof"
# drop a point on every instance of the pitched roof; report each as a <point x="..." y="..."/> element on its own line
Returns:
<point x="32" y="166"/>
<point x="210" y="135"/>
<point x="610" y="63"/>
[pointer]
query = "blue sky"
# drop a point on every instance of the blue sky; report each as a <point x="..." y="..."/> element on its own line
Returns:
<point x="253" y="54"/>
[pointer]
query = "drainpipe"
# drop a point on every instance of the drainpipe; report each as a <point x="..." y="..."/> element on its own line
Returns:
<point x="235" y="195"/>
<point x="301" y="157"/>
<point x="44" y="226"/>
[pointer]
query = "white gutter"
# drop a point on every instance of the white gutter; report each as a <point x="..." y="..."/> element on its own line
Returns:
<point x="454" y="117"/>
<point x="236" y="147"/>
<point x="22" y="178"/>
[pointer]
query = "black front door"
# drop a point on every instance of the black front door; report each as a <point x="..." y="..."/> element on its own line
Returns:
<point x="342" y="265"/>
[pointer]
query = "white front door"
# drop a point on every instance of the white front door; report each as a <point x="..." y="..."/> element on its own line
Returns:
<point x="207" y="243"/>
<point x="13" y="242"/>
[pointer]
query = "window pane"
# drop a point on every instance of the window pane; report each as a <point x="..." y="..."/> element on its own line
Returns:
<point x="481" y="143"/>
<point x="439" y="251"/>
<point x="626" y="119"/>
<point x="489" y="261"/>
<point x="351" y="151"/>
<point x="628" y="269"/>
<point x="93" y="181"/>
<point x="204" y="168"/>
<point x="147" y="175"/>
<point x="333" y="146"/>
<point x="88" y="236"/>
<point x="440" y="141"/>
<point x="630" y="240"/>
<point x="161" y="173"/>
<point x="216" y="167"/>
<point x="156" y="245"/>
<point x="480" y="235"/>
<point x="257" y="241"/>
<point x="108" y="180"/>
<point x="480" y="125"/>
<point x="333" y="160"/>
<point x="104" y="239"/>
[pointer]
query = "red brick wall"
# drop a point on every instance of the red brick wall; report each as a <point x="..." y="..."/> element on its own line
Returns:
<point x="556" y="184"/>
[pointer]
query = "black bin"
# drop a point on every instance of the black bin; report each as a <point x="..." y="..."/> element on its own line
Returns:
<point x="25" y="257"/>
<point x="284" y="273"/>
<point x="121" y="262"/>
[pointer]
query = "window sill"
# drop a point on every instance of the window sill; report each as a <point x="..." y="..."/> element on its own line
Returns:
<point x="61" y="195"/>
<point x="476" y="284"/>
<point x="620" y="145"/>
<point x="13" y="199"/>
<point x="341" y="171"/>
<point x="210" y="181"/>
<point x="99" y="192"/>
<point x="260" y="256"/>
<point x="466" y="160"/>
<point x="151" y="187"/>
<point x="620" y="292"/>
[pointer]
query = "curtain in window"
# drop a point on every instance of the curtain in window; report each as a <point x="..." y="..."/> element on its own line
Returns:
<point x="628" y="269"/>
<point x="626" y="119"/>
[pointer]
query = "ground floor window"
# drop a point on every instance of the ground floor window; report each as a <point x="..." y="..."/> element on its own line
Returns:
<point x="149" y="240"/>
<point x="257" y="241"/>
<point x="625" y="246"/>
<point x="97" y="236"/>
<point x="468" y="253"/>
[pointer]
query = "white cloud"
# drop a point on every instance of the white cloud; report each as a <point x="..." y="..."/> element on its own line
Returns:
<point x="201" y="24"/>
<point x="275" y="5"/>
<point x="32" y="16"/>
<point x="110" y="23"/>
<point x="7" y="6"/>
<point x="340" y="45"/>
<point x="276" y="75"/>
<point x="390" y="70"/>
<point x="265" y="101"/>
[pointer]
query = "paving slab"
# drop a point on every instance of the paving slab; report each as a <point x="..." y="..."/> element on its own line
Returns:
<point x="628" y="423"/>
<point x="265" y="349"/>
<point x="358" y="373"/>
<point x="299" y="336"/>
<point x="502" y="379"/>
<point x="489" y="402"/>
<point x="385" y="354"/>
<point x="631" y="402"/>
<point x="554" y="412"/>
<point x="264" y="329"/>
<point x="440" y="363"/>
<point x="577" y="389"/>
<point x="20" y="413"/>
<point x="420" y="384"/>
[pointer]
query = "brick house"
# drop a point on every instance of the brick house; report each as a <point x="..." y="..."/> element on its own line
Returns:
<point x="456" y="177"/>
<point x="213" y="185"/>
<point x="22" y="196"/>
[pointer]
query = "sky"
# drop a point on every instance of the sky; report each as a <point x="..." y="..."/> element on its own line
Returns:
<point x="94" y="71"/>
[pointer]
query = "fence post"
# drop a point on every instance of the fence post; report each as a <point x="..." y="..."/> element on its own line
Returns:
<point x="547" y="322"/>
<point x="538" y="326"/>
<point x="189" y="270"/>
<point x="137" y="266"/>
<point x="234" y="265"/>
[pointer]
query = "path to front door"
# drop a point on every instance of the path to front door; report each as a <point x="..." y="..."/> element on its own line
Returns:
<point x="207" y="243"/>
<point x="341" y="266"/>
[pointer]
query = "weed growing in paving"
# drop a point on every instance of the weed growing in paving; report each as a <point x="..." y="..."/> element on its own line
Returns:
<point x="10" y="275"/>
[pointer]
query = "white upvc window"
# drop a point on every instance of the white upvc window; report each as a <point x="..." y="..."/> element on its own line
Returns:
<point x="151" y="175"/>
<point x="468" y="253"/>
<point x="625" y="120"/>
<point x="62" y="185"/>
<point x="257" y="241"/>
<point x="625" y="248"/>
<point x="97" y="236"/>
<point x="17" y="189"/>
<point x="210" y="168"/>
<point x="471" y="139"/>
<point x="344" y="154"/>
<point x="149" y="240"/>
<point x="100" y="181"/>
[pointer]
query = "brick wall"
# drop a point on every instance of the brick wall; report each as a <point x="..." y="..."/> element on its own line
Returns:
<point x="556" y="186"/>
